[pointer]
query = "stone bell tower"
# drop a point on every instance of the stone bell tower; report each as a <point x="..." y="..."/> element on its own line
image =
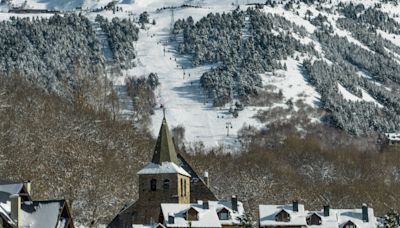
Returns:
<point x="162" y="180"/>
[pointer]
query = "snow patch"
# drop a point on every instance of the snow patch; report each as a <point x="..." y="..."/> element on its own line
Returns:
<point x="293" y="83"/>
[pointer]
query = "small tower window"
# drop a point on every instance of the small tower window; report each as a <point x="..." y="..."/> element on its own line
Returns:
<point x="184" y="187"/>
<point x="181" y="187"/>
<point x="153" y="185"/>
<point x="166" y="184"/>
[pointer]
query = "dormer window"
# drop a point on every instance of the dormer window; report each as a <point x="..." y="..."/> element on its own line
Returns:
<point x="192" y="214"/>
<point x="282" y="216"/>
<point x="349" y="224"/>
<point x="166" y="184"/>
<point x="153" y="185"/>
<point x="223" y="214"/>
<point x="314" y="219"/>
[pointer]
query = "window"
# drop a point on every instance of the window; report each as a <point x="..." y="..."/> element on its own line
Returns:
<point x="166" y="184"/>
<point x="314" y="219"/>
<point x="223" y="214"/>
<point x="192" y="215"/>
<point x="349" y="224"/>
<point x="282" y="216"/>
<point x="181" y="187"/>
<point x="184" y="187"/>
<point x="153" y="185"/>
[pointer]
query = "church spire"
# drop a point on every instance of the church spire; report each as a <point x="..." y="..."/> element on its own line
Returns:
<point x="165" y="148"/>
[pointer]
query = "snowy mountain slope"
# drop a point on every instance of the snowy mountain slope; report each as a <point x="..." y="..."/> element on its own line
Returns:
<point x="182" y="95"/>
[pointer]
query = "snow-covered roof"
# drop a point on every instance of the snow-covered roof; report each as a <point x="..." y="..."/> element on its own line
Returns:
<point x="5" y="214"/>
<point x="165" y="167"/>
<point x="206" y="217"/>
<point x="12" y="188"/>
<point x="39" y="214"/>
<point x="268" y="213"/>
<point x="336" y="217"/>
<point x="234" y="216"/>
<point x="8" y="189"/>
<point x="393" y="136"/>
<point x="355" y="215"/>
<point x="147" y="226"/>
<point x="329" y="221"/>
<point x="34" y="214"/>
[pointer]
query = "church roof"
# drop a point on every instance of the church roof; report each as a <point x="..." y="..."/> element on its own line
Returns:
<point x="165" y="167"/>
<point x="165" y="148"/>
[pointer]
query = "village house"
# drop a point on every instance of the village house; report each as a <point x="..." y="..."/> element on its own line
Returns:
<point x="288" y="215"/>
<point x="392" y="138"/>
<point x="17" y="209"/>
<point x="222" y="213"/>
<point x="294" y="216"/>
<point x="168" y="178"/>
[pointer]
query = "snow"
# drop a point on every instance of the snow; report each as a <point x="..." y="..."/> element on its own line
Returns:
<point x="292" y="17"/>
<point x="181" y="95"/>
<point x="336" y="218"/>
<point x="393" y="137"/>
<point x="355" y="215"/>
<point x="293" y="84"/>
<point x="147" y="226"/>
<point x="234" y="218"/>
<point x="165" y="167"/>
<point x="11" y="188"/>
<point x="326" y="221"/>
<point x="206" y="217"/>
<point x="347" y="95"/>
<point x="267" y="215"/>
<point x="4" y="212"/>
<point x="395" y="39"/>
<point x="343" y="33"/>
<point x="368" y="98"/>
<point x="351" y="97"/>
<point x="43" y="215"/>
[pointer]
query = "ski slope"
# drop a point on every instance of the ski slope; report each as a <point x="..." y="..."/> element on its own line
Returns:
<point x="182" y="95"/>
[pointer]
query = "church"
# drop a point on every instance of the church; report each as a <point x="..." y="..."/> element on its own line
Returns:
<point x="167" y="179"/>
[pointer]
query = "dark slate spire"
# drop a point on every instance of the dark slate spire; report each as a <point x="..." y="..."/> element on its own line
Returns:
<point x="165" y="148"/>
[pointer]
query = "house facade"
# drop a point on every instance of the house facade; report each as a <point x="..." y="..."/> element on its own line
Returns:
<point x="212" y="214"/>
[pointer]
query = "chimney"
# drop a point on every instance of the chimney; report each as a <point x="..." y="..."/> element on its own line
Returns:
<point x="16" y="209"/>
<point x="206" y="205"/>
<point x="295" y="206"/>
<point x="234" y="203"/>
<point x="206" y="179"/>
<point x="326" y="210"/>
<point x="365" y="213"/>
<point x="27" y="185"/>
<point x="171" y="218"/>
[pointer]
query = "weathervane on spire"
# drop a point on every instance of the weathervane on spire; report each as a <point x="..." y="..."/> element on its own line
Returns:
<point x="163" y="112"/>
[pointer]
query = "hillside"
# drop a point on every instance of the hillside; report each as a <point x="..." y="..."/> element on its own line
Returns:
<point x="68" y="150"/>
<point x="91" y="160"/>
<point x="216" y="83"/>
